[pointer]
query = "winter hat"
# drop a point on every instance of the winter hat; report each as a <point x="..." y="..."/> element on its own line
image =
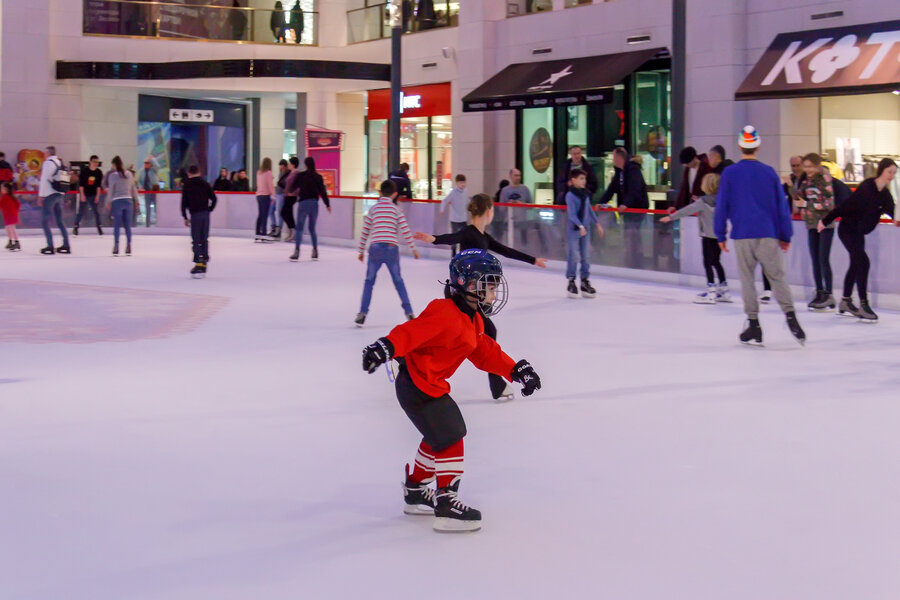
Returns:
<point x="749" y="138"/>
<point x="687" y="155"/>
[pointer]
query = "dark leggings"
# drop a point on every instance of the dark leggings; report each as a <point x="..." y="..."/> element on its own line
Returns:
<point x="858" y="273"/>
<point x="287" y="212"/>
<point x="498" y="384"/>
<point x="262" y="217"/>
<point x="820" y="253"/>
<point x="711" y="255"/>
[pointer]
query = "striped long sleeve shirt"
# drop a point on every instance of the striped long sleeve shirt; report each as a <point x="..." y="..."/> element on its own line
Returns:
<point x="384" y="224"/>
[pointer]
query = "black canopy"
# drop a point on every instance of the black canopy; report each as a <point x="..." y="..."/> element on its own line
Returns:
<point x="860" y="59"/>
<point x="556" y="82"/>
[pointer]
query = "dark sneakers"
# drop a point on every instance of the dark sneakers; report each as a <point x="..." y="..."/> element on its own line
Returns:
<point x="451" y="515"/>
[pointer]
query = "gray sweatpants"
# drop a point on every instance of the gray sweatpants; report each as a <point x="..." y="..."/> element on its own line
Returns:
<point x="767" y="252"/>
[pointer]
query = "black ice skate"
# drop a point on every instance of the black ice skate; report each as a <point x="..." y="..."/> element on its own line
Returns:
<point x="419" y="497"/>
<point x="795" y="328"/>
<point x="295" y="256"/>
<point x="64" y="249"/>
<point x="822" y="301"/>
<point x="199" y="271"/>
<point x="572" y="290"/>
<point x="127" y="249"/>
<point x="866" y="314"/>
<point x="847" y="308"/>
<point x="753" y="333"/>
<point x="9" y="245"/>
<point x="315" y="254"/>
<point x="75" y="230"/>
<point x="451" y="515"/>
<point x="410" y="316"/>
<point x="587" y="290"/>
<point x="16" y="247"/>
<point x="99" y="230"/>
<point x="360" y="319"/>
<point x="48" y="250"/>
<point x="116" y="249"/>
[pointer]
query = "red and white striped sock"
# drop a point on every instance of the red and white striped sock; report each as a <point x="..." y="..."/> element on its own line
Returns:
<point x="448" y="464"/>
<point x="423" y="467"/>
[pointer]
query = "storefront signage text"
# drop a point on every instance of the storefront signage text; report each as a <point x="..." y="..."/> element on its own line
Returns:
<point x="415" y="101"/>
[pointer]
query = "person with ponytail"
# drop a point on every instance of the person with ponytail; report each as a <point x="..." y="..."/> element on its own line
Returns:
<point x="122" y="194"/>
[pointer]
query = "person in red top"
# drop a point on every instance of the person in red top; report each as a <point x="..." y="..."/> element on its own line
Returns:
<point x="9" y="207"/>
<point x="430" y="349"/>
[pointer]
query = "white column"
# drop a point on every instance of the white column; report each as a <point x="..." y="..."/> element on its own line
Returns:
<point x="271" y="127"/>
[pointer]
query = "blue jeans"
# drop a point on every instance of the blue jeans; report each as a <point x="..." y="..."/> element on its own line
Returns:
<point x="578" y="245"/>
<point x="275" y="211"/>
<point x="200" y="235"/>
<point x="820" y="253"/>
<point x="122" y="213"/>
<point x="51" y="209"/>
<point x="384" y="254"/>
<point x="262" y="203"/>
<point x="307" y="209"/>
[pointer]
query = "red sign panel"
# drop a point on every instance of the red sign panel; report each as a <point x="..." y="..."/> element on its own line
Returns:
<point x="415" y="101"/>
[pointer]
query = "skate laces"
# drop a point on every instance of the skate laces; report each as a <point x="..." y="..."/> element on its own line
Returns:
<point x="455" y="502"/>
<point x="427" y="492"/>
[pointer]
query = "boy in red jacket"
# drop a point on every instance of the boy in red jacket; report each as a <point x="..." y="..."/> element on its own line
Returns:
<point x="429" y="350"/>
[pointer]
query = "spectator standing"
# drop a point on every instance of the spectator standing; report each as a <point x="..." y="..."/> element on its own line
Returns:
<point x="859" y="216"/>
<point x="384" y="227"/>
<point x="198" y="200"/>
<point x="311" y="187"/>
<point x="717" y="160"/>
<point x="278" y="23"/>
<point x="242" y="182"/>
<point x="278" y="204"/>
<point x="9" y="209"/>
<point x="401" y="180"/>
<point x="815" y="198"/>
<point x="265" y="189"/>
<point x="630" y="189"/>
<point x="696" y="166"/>
<point x="297" y="22"/>
<point x="751" y="198"/>
<point x="576" y="160"/>
<point x="90" y="182"/>
<point x="238" y="21"/>
<point x="222" y="183"/>
<point x="581" y="217"/>
<point x="458" y="201"/>
<point x="122" y="194"/>
<point x="148" y="181"/>
<point x="50" y="195"/>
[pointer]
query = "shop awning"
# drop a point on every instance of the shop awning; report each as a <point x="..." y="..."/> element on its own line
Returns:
<point x="556" y="82"/>
<point x="861" y="59"/>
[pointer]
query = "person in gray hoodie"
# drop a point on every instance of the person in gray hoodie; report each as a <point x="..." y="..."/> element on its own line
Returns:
<point x="705" y="209"/>
<point x="458" y="201"/>
<point x="122" y="194"/>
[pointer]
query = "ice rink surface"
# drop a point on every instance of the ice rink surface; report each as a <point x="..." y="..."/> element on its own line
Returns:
<point x="167" y="438"/>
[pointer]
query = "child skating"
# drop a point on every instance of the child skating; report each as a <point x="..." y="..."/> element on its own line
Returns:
<point x="430" y="349"/>
<point x="383" y="227"/>
<point x="198" y="199"/>
<point x="9" y="208"/>
<point x="581" y="217"/>
<point x="705" y="209"/>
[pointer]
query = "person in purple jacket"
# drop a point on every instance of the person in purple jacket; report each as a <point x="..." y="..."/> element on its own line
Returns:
<point x="751" y="197"/>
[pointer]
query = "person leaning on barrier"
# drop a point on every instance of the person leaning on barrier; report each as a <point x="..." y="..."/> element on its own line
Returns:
<point x="630" y="189"/>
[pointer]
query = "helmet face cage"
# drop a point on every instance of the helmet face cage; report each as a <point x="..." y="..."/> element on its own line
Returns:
<point x="495" y="283"/>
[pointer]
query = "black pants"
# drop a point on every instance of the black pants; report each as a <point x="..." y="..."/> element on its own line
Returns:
<point x="89" y="202"/>
<point x="200" y="235"/>
<point x="858" y="273"/>
<point x="820" y="253"/>
<point x="497" y="383"/>
<point x="439" y="420"/>
<point x="262" y="218"/>
<point x="454" y="227"/>
<point x="287" y="212"/>
<point x="711" y="255"/>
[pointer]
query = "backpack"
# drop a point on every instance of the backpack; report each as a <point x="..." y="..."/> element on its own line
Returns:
<point x="61" y="178"/>
<point x="842" y="191"/>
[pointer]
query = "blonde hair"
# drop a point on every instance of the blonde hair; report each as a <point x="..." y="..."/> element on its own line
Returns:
<point x="710" y="183"/>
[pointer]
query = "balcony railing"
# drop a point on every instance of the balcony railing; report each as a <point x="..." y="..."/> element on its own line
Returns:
<point x="212" y="20"/>
<point x="370" y="22"/>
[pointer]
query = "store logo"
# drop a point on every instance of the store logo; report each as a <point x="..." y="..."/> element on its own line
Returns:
<point x="548" y="83"/>
<point x="825" y="62"/>
<point x="409" y="102"/>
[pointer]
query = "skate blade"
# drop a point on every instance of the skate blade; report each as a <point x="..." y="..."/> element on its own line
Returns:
<point x="724" y="301"/>
<point x="445" y="525"/>
<point x="586" y="295"/>
<point x="752" y="344"/>
<point x="868" y="321"/>
<point x="571" y="295"/>
<point x="704" y="302"/>
<point x="418" y="510"/>
<point x="198" y="276"/>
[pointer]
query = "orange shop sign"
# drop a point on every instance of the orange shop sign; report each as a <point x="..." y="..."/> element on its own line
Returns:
<point x="415" y="101"/>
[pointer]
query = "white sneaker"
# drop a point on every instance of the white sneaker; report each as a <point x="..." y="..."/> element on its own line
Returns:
<point x="708" y="297"/>
<point x="766" y="297"/>
<point x="722" y="294"/>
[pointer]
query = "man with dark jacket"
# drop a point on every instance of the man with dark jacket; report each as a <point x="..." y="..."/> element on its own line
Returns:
<point x="401" y="180"/>
<point x="717" y="159"/>
<point x="630" y="189"/>
<point x="198" y="199"/>
<point x="576" y="161"/>
<point x="696" y="167"/>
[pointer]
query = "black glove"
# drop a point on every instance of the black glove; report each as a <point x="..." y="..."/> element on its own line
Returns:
<point x="524" y="373"/>
<point x="375" y="355"/>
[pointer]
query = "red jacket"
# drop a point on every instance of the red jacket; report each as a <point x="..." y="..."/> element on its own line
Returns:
<point x="684" y="195"/>
<point x="439" y="340"/>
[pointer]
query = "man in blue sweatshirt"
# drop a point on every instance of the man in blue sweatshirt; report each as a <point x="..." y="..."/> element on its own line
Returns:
<point x="751" y="197"/>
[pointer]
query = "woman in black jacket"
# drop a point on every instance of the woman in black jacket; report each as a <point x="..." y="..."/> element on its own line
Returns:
<point x="859" y="215"/>
<point x="277" y="23"/>
<point x="631" y="193"/>
<point x="311" y="187"/>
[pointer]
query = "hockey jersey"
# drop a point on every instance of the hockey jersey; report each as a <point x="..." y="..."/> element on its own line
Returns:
<point x="439" y="340"/>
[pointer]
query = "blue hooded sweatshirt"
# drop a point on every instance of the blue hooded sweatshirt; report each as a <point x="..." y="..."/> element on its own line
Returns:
<point x="752" y="198"/>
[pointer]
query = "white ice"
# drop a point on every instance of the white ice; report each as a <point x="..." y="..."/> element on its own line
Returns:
<point x="243" y="454"/>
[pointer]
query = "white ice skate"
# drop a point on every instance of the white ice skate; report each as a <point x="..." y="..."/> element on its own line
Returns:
<point x="709" y="297"/>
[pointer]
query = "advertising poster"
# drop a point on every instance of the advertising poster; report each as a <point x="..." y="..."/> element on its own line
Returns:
<point x="28" y="169"/>
<point x="330" y="178"/>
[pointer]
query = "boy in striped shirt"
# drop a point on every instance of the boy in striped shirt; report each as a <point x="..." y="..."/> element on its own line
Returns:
<point x="382" y="228"/>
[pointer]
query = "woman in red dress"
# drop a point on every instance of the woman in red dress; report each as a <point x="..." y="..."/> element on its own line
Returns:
<point x="9" y="207"/>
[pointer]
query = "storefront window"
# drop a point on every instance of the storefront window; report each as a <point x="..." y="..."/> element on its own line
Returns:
<point x="441" y="156"/>
<point x="515" y="8"/>
<point x="537" y="153"/>
<point x="651" y="124"/>
<point x="858" y="131"/>
<point x="290" y="144"/>
<point x="571" y="3"/>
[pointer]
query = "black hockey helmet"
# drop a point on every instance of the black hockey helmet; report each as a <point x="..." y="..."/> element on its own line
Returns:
<point x="481" y="268"/>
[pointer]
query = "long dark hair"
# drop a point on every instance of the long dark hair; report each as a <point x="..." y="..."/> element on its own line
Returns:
<point x="883" y="165"/>
<point x="310" y="164"/>
<point x="117" y="165"/>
